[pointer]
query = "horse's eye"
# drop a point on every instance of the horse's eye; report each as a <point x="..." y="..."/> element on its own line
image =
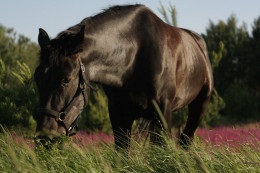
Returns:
<point x="65" y="82"/>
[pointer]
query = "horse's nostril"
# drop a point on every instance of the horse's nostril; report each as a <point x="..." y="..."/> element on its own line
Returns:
<point x="42" y="139"/>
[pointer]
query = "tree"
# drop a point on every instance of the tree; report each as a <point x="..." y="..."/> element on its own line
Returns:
<point x="15" y="48"/>
<point x="96" y="117"/>
<point x="254" y="60"/>
<point x="18" y="96"/>
<point x="236" y="74"/>
<point x="235" y="41"/>
<point x="18" y="100"/>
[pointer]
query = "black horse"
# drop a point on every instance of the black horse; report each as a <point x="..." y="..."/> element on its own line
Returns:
<point x="137" y="58"/>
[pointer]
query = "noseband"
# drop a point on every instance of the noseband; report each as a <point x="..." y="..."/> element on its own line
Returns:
<point x="61" y="116"/>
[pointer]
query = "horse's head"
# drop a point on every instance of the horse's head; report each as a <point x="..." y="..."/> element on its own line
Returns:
<point x="61" y="82"/>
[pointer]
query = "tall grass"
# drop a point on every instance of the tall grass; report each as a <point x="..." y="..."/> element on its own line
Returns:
<point x="18" y="155"/>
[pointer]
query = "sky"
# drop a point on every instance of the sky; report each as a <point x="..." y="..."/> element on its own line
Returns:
<point x="27" y="16"/>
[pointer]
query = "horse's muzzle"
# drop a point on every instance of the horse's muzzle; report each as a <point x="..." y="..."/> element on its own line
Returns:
<point x="47" y="138"/>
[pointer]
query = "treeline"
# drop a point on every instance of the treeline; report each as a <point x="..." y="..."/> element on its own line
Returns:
<point x="238" y="69"/>
<point x="235" y="58"/>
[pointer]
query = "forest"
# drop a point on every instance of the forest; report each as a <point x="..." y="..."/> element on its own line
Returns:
<point x="235" y="57"/>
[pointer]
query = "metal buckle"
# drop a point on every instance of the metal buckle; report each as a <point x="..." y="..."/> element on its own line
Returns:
<point x="82" y="86"/>
<point x="61" y="116"/>
<point x="82" y="67"/>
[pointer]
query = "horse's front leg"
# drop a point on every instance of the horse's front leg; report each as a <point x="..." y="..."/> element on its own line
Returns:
<point x="121" y="121"/>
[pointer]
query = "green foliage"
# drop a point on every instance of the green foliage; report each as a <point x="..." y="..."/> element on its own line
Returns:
<point x="242" y="107"/>
<point x="179" y="118"/>
<point x="17" y="91"/>
<point x="2" y="72"/>
<point x="212" y="115"/>
<point x="96" y="116"/>
<point x="15" y="48"/>
<point x="18" y="99"/>
<point x="253" y="60"/>
<point x="236" y="73"/>
<point x="234" y="53"/>
<point x="216" y="55"/>
<point x="172" y="12"/>
<point x="24" y="75"/>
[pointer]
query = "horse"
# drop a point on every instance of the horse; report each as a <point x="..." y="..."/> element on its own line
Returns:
<point x="139" y="60"/>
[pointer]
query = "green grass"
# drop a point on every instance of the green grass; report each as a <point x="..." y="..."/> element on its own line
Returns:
<point x="17" y="156"/>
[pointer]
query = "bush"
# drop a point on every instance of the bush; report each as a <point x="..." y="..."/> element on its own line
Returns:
<point x="211" y="117"/>
<point x="242" y="105"/>
<point x="213" y="112"/>
<point x="96" y="117"/>
<point x="18" y="98"/>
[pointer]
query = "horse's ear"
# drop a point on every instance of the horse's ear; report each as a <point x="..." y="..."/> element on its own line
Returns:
<point x="43" y="38"/>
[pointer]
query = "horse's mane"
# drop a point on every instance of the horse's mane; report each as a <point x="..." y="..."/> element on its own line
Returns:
<point x="111" y="12"/>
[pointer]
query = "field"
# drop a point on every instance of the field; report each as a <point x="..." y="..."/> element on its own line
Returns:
<point x="223" y="149"/>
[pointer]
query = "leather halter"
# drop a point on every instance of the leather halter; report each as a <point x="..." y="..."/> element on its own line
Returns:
<point x="61" y="116"/>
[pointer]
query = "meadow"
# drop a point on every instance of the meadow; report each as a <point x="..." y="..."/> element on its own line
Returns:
<point x="223" y="149"/>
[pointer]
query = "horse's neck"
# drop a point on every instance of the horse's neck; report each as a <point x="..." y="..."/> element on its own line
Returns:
<point x="110" y="66"/>
<point x="110" y="53"/>
<point x="105" y="71"/>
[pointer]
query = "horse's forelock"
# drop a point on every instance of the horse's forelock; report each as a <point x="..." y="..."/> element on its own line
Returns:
<point x="55" y="53"/>
<point x="64" y="45"/>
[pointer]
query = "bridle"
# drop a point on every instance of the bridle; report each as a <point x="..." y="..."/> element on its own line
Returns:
<point x="61" y="117"/>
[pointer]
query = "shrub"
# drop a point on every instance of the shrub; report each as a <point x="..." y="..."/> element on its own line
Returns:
<point x="18" y="98"/>
<point x="242" y="105"/>
<point x="96" y="117"/>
